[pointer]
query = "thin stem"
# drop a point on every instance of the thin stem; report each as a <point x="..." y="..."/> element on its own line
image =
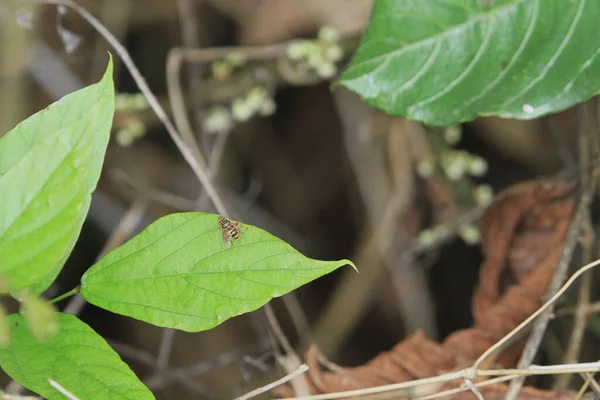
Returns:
<point x="70" y="293"/>
<point x="450" y="392"/>
<point x="164" y="353"/>
<point x="588" y="128"/>
<point x="300" y="370"/>
<point x="465" y="374"/>
<point x="387" y="388"/>
<point x="588" y="380"/>
<point x="536" y="314"/>
<point x="583" y="301"/>
<point x="186" y="151"/>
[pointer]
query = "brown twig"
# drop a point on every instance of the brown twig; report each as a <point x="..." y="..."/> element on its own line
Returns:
<point x="187" y="10"/>
<point x="293" y="360"/>
<point x="299" y="371"/>
<point x="563" y="265"/>
<point x="539" y="329"/>
<point x="589" y="381"/>
<point x="579" y="325"/>
<point x="184" y="140"/>
<point x="191" y="156"/>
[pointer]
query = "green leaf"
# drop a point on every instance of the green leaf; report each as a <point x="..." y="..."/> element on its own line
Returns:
<point x="77" y="358"/>
<point x="41" y="317"/>
<point x="443" y="62"/>
<point x="49" y="166"/>
<point x="178" y="273"/>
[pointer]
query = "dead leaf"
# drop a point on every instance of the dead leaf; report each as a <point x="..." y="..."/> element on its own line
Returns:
<point x="523" y="235"/>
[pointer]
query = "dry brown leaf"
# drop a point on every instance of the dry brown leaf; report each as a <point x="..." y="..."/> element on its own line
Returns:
<point x="523" y="235"/>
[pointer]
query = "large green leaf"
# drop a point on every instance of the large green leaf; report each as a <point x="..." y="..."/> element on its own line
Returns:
<point x="49" y="166"/>
<point x="77" y="358"/>
<point x="178" y="273"/>
<point x="446" y="61"/>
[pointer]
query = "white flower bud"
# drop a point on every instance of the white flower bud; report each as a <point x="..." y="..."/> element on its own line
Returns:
<point x="427" y="237"/>
<point x="298" y="50"/>
<point x="329" y="34"/>
<point x="452" y="135"/>
<point x="470" y="234"/>
<point x="124" y="137"/>
<point x="483" y="195"/>
<point x="256" y="97"/>
<point x="267" y="107"/>
<point x="240" y="110"/>
<point x="217" y="120"/>
<point x="477" y="166"/>
<point x="425" y="168"/>
<point x="334" y="53"/>
<point x="326" y="70"/>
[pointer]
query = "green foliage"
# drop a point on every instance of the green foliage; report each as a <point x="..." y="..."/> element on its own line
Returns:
<point x="49" y="167"/>
<point x="443" y="62"/>
<point x="178" y="273"/>
<point x="77" y="358"/>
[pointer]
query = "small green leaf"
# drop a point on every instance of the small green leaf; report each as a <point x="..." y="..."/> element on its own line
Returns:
<point x="49" y="166"/>
<point x="41" y="317"/>
<point x="178" y="273"/>
<point x="444" y="62"/>
<point x="77" y="358"/>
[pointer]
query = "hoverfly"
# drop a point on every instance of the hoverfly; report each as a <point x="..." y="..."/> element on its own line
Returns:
<point x="230" y="229"/>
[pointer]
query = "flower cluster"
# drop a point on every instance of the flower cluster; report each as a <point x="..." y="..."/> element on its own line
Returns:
<point x="458" y="166"/>
<point x="257" y="101"/>
<point x="320" y="54"/>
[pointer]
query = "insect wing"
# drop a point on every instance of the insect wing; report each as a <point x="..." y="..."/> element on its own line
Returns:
<point x="226" y="239"/>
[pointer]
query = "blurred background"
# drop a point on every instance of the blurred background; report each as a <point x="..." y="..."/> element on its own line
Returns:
<point x="310" y="163"/>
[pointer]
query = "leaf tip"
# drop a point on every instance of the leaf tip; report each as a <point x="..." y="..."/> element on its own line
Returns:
<point x="350" y="263"/>
<point x="108" y="74"/>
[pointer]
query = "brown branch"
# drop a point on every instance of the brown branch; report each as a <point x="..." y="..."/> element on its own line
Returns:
<point x="587" y="131"/>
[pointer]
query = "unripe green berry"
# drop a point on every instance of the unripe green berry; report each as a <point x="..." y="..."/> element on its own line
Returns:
<point x="221" y="70"/>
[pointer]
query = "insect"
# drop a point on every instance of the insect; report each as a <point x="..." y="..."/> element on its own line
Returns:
<point x="230" y="229"/>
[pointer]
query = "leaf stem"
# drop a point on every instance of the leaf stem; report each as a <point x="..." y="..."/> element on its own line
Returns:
<point x="70" y="293"/>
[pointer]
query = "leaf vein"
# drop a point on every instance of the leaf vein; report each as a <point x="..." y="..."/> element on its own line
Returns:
<point x="402" y="50"/>
<point x="513" y="59"/>
<point x="553" y="59"/>
<point x="462" y="76"/>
